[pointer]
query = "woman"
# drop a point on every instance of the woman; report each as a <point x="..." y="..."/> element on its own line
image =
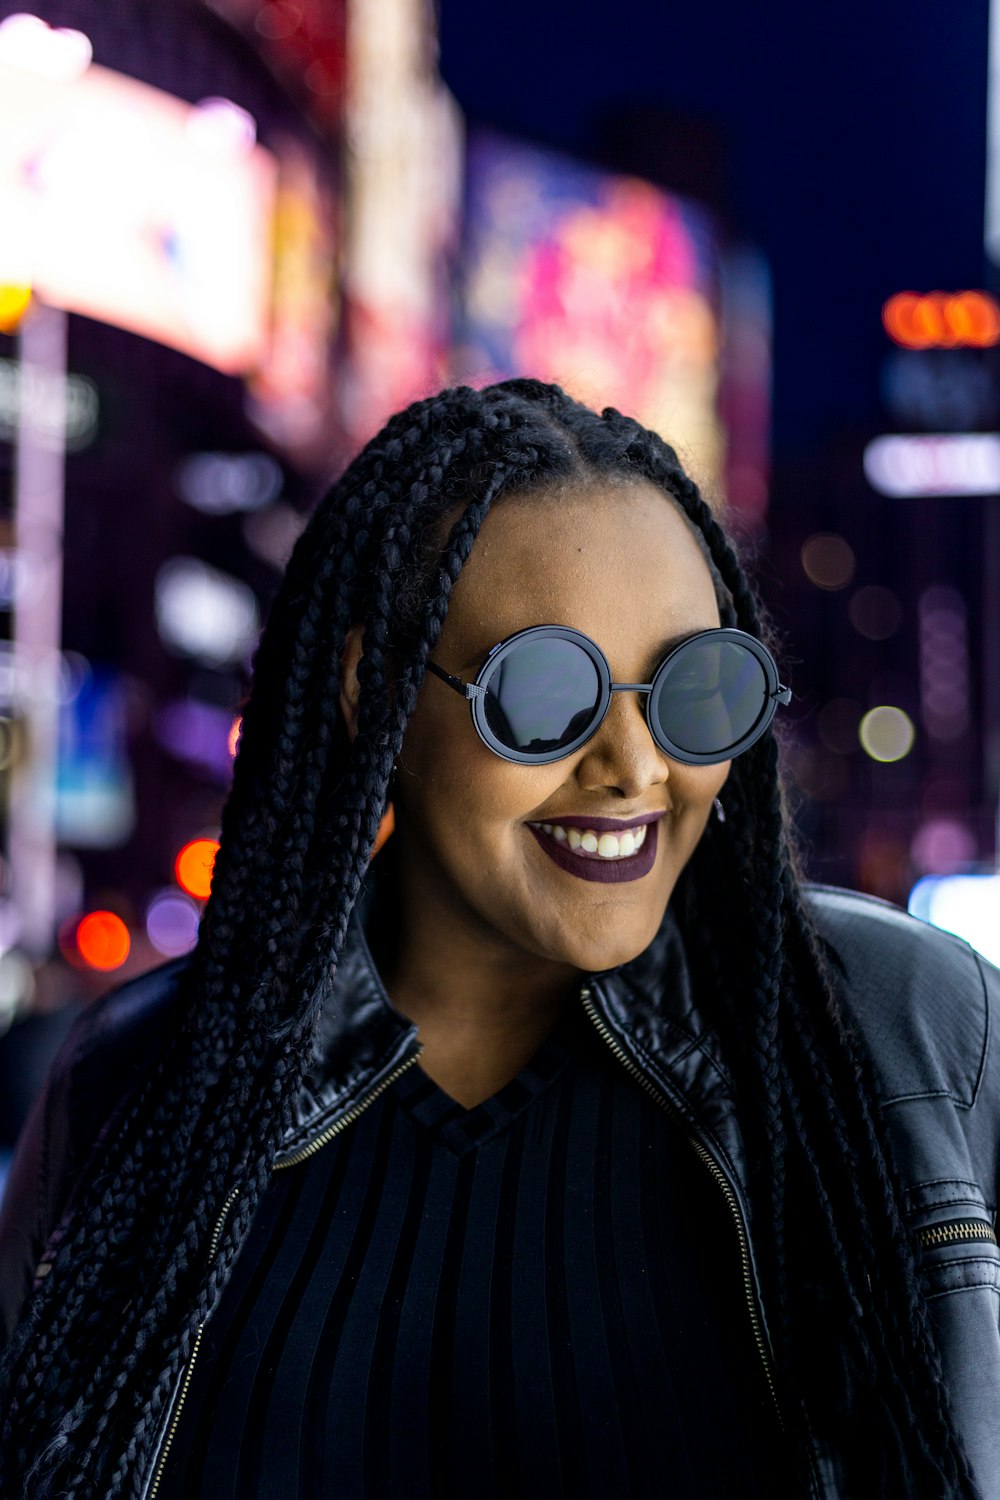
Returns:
<point x="568" y="1146"/>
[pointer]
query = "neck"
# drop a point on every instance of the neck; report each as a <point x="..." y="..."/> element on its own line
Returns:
<point x="482" y="1007"/>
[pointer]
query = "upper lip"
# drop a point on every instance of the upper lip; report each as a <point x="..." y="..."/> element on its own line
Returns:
<point x="603" y="825"/>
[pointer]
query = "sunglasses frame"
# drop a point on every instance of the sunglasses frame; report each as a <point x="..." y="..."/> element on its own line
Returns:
<point x="475" y="692"/>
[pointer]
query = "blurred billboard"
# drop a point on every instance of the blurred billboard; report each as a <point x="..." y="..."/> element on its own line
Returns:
<point x="125" y="204"/>
<point x="402" y="159"/>
<point x="603" y="283"/>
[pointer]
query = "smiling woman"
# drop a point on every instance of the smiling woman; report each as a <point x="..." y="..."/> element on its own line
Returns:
<point x="573" y="1141"/>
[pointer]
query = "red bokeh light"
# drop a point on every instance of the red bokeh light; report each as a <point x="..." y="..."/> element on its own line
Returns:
<point x="103" y="940"/>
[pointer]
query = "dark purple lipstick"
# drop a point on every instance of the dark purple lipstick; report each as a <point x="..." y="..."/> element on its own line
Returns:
<point x="593" y="867"/>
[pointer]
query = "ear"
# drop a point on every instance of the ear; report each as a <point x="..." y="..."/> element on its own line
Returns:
<point x="350" y="688"/>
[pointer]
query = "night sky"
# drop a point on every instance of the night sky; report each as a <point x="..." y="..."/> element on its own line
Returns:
<point x="854" y="148"/>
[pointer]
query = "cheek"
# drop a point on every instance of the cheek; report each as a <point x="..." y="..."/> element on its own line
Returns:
<point x="447" y="776"/>
<point x="696" y="787"/>
<point x="694" y="796"/>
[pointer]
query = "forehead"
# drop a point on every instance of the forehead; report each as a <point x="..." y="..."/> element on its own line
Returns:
<point x="620" y="563"/>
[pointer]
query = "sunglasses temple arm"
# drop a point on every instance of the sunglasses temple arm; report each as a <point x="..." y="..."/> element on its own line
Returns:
<point x="467" y="689"/>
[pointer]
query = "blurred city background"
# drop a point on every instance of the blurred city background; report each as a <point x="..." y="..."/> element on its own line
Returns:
<point x="235" y="235"/>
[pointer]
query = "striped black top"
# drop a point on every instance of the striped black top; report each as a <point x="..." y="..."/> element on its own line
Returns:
<point x="540" y="1296"/>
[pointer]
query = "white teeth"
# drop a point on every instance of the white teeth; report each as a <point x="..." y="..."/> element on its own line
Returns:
<point x="606" y="845"/>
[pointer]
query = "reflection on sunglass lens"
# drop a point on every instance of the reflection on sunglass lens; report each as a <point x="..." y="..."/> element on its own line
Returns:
<point x="542" y="695"/>
<point x="713" y="694"/>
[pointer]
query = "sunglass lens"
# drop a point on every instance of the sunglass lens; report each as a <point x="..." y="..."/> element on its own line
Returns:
<point x="713" y="695"/>
<point x="542" y="695"/>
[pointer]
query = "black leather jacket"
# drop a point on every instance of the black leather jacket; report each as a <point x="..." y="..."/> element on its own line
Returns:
<point x="926" y="1003"/>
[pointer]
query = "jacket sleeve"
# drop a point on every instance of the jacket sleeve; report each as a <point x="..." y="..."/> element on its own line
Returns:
<point x="27" y="1213"/>
<point x="106" y="1054"/>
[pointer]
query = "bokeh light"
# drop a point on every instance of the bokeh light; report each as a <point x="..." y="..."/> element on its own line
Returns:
<point x="234" y="734"/>
<point x="875" y="612"/>
<point x="220" y="484"/>
<point x="963" y="904"/>
<point x="944" y="663"/>
<point x="943" y="846"/>
<point x="193" y="867"/>
<point x="886" y="733"/>
<point x="942" y="320"/>
<point x="222" y="128"/>
<point x="172" y="923"/>
<point x="102" y="940"/>
<point x="907" y="465"/>
<point x="828" y="561"/>
<point x="17" y="986"/>
<point x="56" y="52"/>
<point x="14" y="303"/>
<point x="9" y="743"/>
<point x="385" y="828"/>
<point x="204" y="613"/>
<point x="278" y="20"/>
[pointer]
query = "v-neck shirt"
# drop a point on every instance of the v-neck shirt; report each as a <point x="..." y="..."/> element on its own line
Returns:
<point x="540" y="1296"/>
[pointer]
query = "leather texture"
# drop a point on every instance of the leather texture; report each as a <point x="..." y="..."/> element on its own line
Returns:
<point x="924" y="1001"/>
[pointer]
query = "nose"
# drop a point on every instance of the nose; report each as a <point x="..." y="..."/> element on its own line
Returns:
<point x="623" y="755"/>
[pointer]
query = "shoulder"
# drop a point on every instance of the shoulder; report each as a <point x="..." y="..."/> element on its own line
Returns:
<point x="924" y="1000"/>
<point x="116" y="1037"/>
<point x="109" y="1048"/>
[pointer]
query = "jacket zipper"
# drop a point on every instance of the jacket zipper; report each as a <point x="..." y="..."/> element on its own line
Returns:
<point x="955" y="1232"/>
<point x="705" y="1156"/>
<point x="349" y="1118"/>
<point x="174" y="1416"/>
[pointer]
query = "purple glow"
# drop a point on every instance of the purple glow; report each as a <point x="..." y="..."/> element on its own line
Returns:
<point x="172" y="923"/>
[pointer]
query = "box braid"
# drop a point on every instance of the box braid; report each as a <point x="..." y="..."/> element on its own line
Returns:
<point x="157" y="1220"/>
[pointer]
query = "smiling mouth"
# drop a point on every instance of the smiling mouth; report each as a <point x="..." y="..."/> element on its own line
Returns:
<point x="589" y="843"/>
<point x="589" y="863"/>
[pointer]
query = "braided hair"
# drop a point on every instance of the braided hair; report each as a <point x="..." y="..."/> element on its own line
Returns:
<point x="169" y="1194"/>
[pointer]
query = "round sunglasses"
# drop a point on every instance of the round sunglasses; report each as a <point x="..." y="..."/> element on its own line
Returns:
<point x="541" y="693"/>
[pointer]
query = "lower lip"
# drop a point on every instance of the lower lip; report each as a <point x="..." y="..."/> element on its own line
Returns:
<point x="607" y="871"/>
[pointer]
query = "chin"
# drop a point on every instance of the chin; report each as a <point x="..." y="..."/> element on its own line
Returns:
<point x="618" y="948"/>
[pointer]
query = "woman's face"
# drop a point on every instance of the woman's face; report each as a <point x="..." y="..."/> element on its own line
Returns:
<point x="621" y="565"/>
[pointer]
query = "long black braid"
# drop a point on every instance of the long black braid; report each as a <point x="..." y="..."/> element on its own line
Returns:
<point x="171" y="1191"/>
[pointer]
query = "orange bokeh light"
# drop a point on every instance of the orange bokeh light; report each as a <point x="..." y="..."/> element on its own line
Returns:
<point x="103" y="940"/>
<point x="385" y="828"/>
<point x="193" y="867"/>
<point x="942" y="320"/>
<point x="234" y="734"/>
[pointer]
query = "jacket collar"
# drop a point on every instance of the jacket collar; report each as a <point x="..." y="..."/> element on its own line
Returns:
<point x="361" y="1037"/>
<point x="644" y="1009"/>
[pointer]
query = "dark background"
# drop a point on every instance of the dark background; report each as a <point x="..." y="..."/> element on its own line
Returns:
<point x="851" y="146"/>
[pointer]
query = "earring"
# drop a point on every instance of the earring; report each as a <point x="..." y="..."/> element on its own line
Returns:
<point x="720" y="811"/>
